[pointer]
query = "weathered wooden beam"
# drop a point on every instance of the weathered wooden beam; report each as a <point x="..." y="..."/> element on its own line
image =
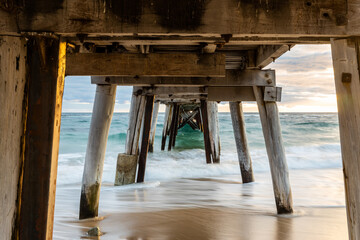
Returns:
<point x="12" y="85"/>
<point x="238" y="122"/>
<point x="95" y="153"/>
<point x="233" y="78"/>
<point x="172" y="125"/>
<point x="239" y="18"/>
<point x="45" y="84"/>
<point x="346" y="61"/>
<point x="153" y="126"/>
<point x="145" y="138"/>
<point x="214" y="132"/>
<point x="205" y="122"/>
<point x="173" y="91"/>
<point x="270" y="122"/>
<point x="267" y="54"/>
<point x="191" y="40"/>
<point x="135" y="119"/>
<point x="176" y="128"/>
<point x="166" y="126"/>
<point x="154" y="64"/>
<point x="230" y="94"/>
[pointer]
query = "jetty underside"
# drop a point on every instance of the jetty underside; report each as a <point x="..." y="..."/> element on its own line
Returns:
<point x="173" y="52"/>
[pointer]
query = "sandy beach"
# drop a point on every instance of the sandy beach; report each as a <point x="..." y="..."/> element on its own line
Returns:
<point x="210" y="208"/>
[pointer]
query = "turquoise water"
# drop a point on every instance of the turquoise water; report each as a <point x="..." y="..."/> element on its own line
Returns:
<point x="311" y="142"/>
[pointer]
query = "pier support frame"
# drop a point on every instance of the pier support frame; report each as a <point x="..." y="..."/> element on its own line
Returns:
<point x="145" y="138"/>
<point x="238" y="122"/>
<point x="214" y="130"/>
<point x="153" y="126"/>
<point x="346" y="61"/>
<point x="46" y="58"/>
<point x="269" y="116"/>
<point x="95" y="154"/>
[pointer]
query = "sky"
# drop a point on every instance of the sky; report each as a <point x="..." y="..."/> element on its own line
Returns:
<point x="305" y="74"/>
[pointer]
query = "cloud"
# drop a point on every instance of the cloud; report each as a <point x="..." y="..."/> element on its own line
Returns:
<point x="79" y="95"/>
<point x="305" y="73"/>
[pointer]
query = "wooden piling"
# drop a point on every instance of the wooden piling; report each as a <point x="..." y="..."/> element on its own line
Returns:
<point x="95" y="153"/>
<point x="270" y="122"/>
<point x="346" y="62"/>
<point x="176" y="125"/>
<point x="145" y="138"/>
<point x="214" y="131"/>
<point x="132" y="141"/>
<point x="165" y="127"/>
<point x="238" y="122"/>
<point x="198" y="121"/>
<point x="42" y="114"/>
<point x="135" y="120"/>
<point x="204" y="120"/>
<point x="172" y="126"/>
<point x="153" y="126"/>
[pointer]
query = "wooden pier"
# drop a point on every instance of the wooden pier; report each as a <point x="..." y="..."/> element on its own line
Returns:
<point x="186" y="53"/>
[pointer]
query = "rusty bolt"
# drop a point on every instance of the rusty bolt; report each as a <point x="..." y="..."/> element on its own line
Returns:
<point x="346" y="77"/>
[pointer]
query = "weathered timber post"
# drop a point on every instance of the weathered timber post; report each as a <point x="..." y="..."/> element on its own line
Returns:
<point x="238" y="122"/>
<point x="153" y="126"/>
<point x="269" y="116"/>
<point x="95" y="153"/>
<point x="145" y="138"/>
<point x="135" y="119"/>
<point x="346" y="61"/>
<point x="204" y="120"/>
<point x="198" y="121"/>
<point x="127" y="163"/>
<point x="166" y="126"/>
<point x="172" y="126"/>
<point x="12" y="85"/>
<point x="46" y="58"/>
<point x="176" y="124"/>
<point x="214" y="131"/>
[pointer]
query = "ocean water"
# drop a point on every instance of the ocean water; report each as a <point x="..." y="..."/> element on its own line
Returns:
<point x="311" y="142"/>
<point x="181" y="179"/>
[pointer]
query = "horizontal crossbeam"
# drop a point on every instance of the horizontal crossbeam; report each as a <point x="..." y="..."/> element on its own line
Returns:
<point x="233" y="78"/>
<point x="232" y="94"/>
<point x="154" y="64"/>
<point x="212" y="18"/>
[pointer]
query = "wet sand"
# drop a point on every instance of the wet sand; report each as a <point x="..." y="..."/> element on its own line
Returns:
<point x="210" y="208"/>
<point x="219" y="224"/>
